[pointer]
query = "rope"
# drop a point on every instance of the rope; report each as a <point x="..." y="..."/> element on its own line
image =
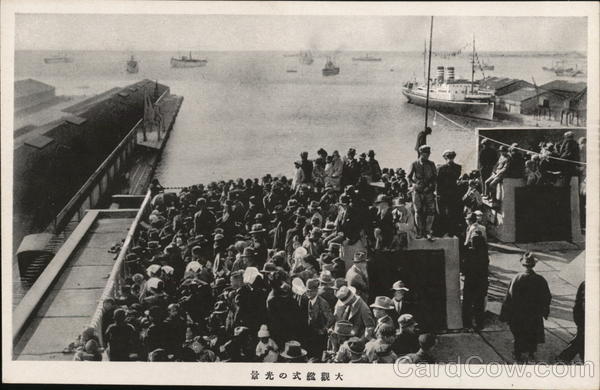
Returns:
<point x="502" y="143"/>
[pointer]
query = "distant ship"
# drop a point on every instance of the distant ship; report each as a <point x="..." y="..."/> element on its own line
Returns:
<point x="291" y="70"/>
<point x="570" y="72"/>
<point x="366" y="58"/>
<point x="132" y="65"/>
<point x="330" y="68"/>
<point x="306" y="58"/>
<point x="187" y="62"/>
<point x="58" y="58"/>
<point x="558" y="66"/>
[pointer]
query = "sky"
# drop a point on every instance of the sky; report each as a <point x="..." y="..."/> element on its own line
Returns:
<point x="274" y="32"/>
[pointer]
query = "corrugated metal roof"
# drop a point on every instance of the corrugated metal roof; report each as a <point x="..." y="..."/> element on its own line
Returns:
<point x="563" y="85"/>
<point x="498" y="82"/>
<point x="30" y="86"/>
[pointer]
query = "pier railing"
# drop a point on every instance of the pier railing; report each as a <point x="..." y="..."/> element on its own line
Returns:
<point x="98" y="183"/>
<point x="117" y="275"/>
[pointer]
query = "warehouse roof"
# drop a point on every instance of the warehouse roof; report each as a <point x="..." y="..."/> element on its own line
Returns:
<point x="523" y="94"/>
<point x="30" y="86"/>
<point x="498" y="82"/>
<point x="563" y="85"/>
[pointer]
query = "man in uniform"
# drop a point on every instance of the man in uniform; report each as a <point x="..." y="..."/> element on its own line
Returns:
<point x="526" y="305"/>
<point x="489" y="188"/>
<point x="448" y="195"/>
<point x="423" y="176"/>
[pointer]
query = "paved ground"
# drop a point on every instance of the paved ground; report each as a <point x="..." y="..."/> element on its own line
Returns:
<point x="72" y="300"/>
<point x="494" y="342"/>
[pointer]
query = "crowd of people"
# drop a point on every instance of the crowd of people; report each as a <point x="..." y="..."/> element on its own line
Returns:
<point x="294" y="270"/>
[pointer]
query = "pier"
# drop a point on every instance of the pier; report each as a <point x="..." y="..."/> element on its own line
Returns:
<point x="73" y="264"/>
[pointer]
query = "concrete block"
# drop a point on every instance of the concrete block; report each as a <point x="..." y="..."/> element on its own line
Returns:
<point x="93" y="256"/>
<point x="464" y="348"/>
<point x="50" y="335"/>
<point x="70" y="303"/>
<point x="83" y="277"/>
<point x="452" y="271"/>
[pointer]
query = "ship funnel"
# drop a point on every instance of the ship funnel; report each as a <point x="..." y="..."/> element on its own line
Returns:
<point x="450" y="73"/>
<point x="440" y="74"/>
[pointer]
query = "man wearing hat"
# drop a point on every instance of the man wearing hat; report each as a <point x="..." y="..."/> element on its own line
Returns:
<point x="342" y="331"/>
<point x="294" y="353"/>
<point x="489" y="188"/>
<point x="333" y="171"/>
<point x="381" y="309"/>
<point x="204" y="219"/>
<point x="423" y="355"/>
<point x="326" y="289"/>
<point x="449" y="198"/>
<point x="384" y="221"/>
<point x="374" y="168"/>
<point x="295" y="231"/>
<point x="526" y="305"/>
<point x="357" y="276"/>
<point x="314" y="242"/>
<point x="407" y="339"/>
<point x="244" y="260"/>
<point x="355" y="310"/>
<point x="382" y="344"/>
<point x="338" y="265"/>
<point x="422" y="176"/>
<point x="350" y="170"/>
<point x="320" y="318"/>
<point x="568" y="150"/>
<point x="399" y="302"/>
<point x="488" y="156"/>
<point x="363" y="168"/>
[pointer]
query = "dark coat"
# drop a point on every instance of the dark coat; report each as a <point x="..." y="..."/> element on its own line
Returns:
<point x="569" y="150"/>
<point x="328" y="294"/>
<point x="385" y="222"/>
<point x="406" y="343"/>
<point x="447" y="177"/>
<point x="359" y="315"/>
<point x="359" y="280"/>
<point x="527" y="302"/>
<point x="204" y="222"/>
<point x="285" y="320"/>
<point x="320" y="315"/>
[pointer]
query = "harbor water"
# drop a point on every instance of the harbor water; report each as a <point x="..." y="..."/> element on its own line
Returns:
<point x="244" y="115"/>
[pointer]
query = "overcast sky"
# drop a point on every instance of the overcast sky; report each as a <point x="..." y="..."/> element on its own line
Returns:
<point x="232" y="32"/>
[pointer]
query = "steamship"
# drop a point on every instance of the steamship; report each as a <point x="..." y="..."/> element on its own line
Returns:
<point x="454" y="96"/>
<point x="187" y="62"/>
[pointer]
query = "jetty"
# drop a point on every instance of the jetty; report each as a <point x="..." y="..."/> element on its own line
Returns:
<point x="61" y="273"/>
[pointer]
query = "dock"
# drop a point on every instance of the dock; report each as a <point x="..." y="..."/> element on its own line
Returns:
<point x="65" y="296"/>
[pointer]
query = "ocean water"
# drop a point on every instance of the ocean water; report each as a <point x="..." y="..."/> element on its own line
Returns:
<point x="244" y="115"/>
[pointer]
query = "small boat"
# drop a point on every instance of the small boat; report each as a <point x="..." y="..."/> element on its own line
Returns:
<point x="291" y="70"/>
<point x="570" y="72"/>
<point x="132" y="65"/>
<point x="187" y="62"/>
<point x="58" y="58"/>
<point x="330" y="68"/>
<point x="367" y="58"/>
<point x="558" y="66"/>
<point x="485" y="66"/>
<point x="306" y="58"/>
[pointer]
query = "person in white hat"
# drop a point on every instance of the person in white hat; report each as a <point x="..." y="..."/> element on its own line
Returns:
<point x="266" y="349"/>
<point x="401" y="305"/>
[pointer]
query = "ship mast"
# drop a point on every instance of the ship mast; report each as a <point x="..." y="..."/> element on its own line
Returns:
<point x="473" y="65"/>
<point x="428" y="73"/>
<point x="424" y="59"/>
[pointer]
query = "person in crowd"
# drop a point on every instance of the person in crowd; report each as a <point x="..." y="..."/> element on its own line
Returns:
<point x="383" y="222"/>
<point x="352" y="351"/>
<point x="204" y="219"/>
<point x="449" y="202"/>
<point x="120" y="338"/>
<point x="307" y="168"/>
<point x="299" y="175"/>
<point x="473" y="229"/>
<point x="400" y="304"/>
<point x="89" y="353"/>
<point x="516" y="165"/>
<point x="333" y="171"/>
<point x="475" y="270"/>
<point x="577" y="345"/>
<point x="568" y="150"/>
<point x="423" y="176"/>
<point x="424" y="355"/>
<point x="266" y="349"/>
<point x="532" y="170"/>
<point x="350" y="170"/>
<point x="380" y="349"/>
<point x="422" y="140"/>
<point x="320" y="319"/>
<point x="358" y="277"/>
<point x="488" y="156"/>
<point x="499" y="172"/>
<point x="374" y="168"/>
<point x="355" y="310"/>
<point x="407" y="338"/>
<point x="381" y="310"/>
<point x="525" y="306"/>
<point x="294" y="353"/>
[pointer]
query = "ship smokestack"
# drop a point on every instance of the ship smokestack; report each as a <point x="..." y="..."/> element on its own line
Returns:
<point x="440" y="74"/>
<point x="450" y="73"/>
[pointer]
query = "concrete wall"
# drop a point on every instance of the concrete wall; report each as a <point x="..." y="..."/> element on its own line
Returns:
<point x="33" y="100"/>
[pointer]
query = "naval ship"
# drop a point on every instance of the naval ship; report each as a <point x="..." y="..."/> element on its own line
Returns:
<point x="187" y="62"/>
